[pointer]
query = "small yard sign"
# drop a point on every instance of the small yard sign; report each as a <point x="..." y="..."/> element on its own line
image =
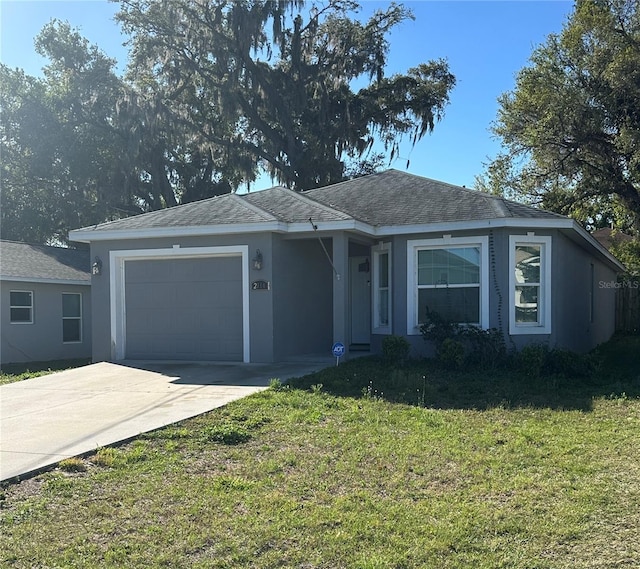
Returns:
<point x="338" y="351"/>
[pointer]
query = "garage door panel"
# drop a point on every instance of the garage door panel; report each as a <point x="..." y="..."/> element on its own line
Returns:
<point x="160" y="321"/>
<point x="186" y="322"/>
<point x="182" y="345"/>
<point x="226" y="268"/>
<point x="148" y="271"/>
<point x="141" y="323"/>
<point x="232" y="320"/>
<point x="208" y="293"/>
<point x="143" y="345"/>
<point x="228" y="289"/>
<point x="184" y="309"/>
<point x="215" y="351"/>
<point x="150" y="295"/>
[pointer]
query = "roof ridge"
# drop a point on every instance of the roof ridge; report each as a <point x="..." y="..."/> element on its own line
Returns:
<point x="507" y="202"/>
<point x="252" y="207"/>
<point x="328" y="209"/>
<point x="501" y="202"/>
<point x="347" y="181"/>
<point x="501" y="206"/>
<point x="395" y="171"/>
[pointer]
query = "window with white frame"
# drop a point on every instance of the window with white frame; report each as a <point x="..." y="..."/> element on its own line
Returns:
<point x="21" y="306"/>
<point x="382" y="289"/>
<point x="71" y="317"/>
<point x="529" y="284"/>
<point x="448" y="276"/>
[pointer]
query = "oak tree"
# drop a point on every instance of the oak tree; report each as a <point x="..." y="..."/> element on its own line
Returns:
<point x="571" y="126"/>
<point x="264" y="85"/>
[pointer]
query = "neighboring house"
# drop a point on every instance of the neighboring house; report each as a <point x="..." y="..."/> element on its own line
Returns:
<point x="608" y="237"/>
<point x="274" y="275"/>
<point x="46" y="303"/>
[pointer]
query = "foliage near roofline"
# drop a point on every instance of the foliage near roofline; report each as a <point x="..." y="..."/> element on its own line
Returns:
<point x="215" y="94"/>
<point x="570" y="127"/>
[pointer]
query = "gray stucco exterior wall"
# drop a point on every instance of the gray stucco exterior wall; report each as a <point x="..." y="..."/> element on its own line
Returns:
<point x="585" y="309"/>
<point x="260" y="301"/>
<point x="583" y="313"/>
<point x="42" y="340"/>
<point x="302" y="298"/>
<point x="293" y="317"/>
<point x="582" y="305"/>
<point x="304" y="308"/>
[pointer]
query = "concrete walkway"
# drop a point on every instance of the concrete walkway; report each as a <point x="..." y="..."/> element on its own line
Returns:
<point x="49" y="418"/>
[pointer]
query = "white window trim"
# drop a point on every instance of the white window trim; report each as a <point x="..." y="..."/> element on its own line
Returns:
<point x="117" y="262"/>
<point x="79" y="318"/>
<point x="414" y="245"/>
<point x="381" y="249"/>
<point x="31" y="307"/>
<point x="544" y="327"/>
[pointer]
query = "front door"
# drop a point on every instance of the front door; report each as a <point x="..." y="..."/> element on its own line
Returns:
<point x="360" y="299"/>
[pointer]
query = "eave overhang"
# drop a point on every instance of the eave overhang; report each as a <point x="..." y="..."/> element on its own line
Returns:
<point x="567" y="225"/>
<point x="36" y="280"/>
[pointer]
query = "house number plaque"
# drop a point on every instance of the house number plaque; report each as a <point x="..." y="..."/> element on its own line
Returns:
<point x="260" y="285"/>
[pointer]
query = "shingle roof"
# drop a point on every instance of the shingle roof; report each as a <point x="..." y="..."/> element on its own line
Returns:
<point x="526" y="211"/>
<point x="21" y="261"/>
<point x="398" y="198"/>
<point x="291" y="207"/>
<point x="220" y="210"/>
<point x="390" y="198"/>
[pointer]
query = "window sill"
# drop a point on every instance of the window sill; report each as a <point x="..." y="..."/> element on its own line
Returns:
<point x="528" y="330"/>
<point x="382" y="331"/>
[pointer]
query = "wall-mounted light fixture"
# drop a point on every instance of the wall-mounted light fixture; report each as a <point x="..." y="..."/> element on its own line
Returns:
<point x="257" y="260"/>
<point x="96" y="268"/>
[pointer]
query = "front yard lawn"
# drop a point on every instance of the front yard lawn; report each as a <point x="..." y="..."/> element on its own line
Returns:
<point x="360" y="466"/>
<point x="17" y="372"/>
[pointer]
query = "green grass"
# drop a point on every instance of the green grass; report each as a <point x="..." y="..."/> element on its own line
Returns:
<point x="360" y="466"/>
<point x="11" y="373"/>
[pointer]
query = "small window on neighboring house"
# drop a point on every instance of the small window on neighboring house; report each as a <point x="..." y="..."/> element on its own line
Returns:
<point x="71" y="317"/>
<point x="21" y="306"/>
<point x="382" y="289"/>
<point x="530" y="284"/>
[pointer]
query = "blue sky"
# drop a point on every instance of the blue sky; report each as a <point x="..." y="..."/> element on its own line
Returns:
<point x="485" y="42"/>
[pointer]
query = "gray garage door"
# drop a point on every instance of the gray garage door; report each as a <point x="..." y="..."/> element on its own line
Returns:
<point x="184" y="309"/>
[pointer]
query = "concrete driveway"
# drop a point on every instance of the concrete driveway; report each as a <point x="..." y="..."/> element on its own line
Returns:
<point x="49" y="418"/>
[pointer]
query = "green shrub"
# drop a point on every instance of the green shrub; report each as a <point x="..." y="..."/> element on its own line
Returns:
<point x="395" y="350"/>
<point x="437" y="329"/>
<point x="451" y="353"/>
<point x="276" y="384"/>
<point x="106" y="456"/>
<point x="531" y="359"/>
<point x="571" y="364"/>
<point x="227" y="434"/>
<point x="72" y="464"/>
<point x="456" y="345"/>
<point x="480" y="347"/>
<point x="538" y="360"/>
<point x="486" y="348"/>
